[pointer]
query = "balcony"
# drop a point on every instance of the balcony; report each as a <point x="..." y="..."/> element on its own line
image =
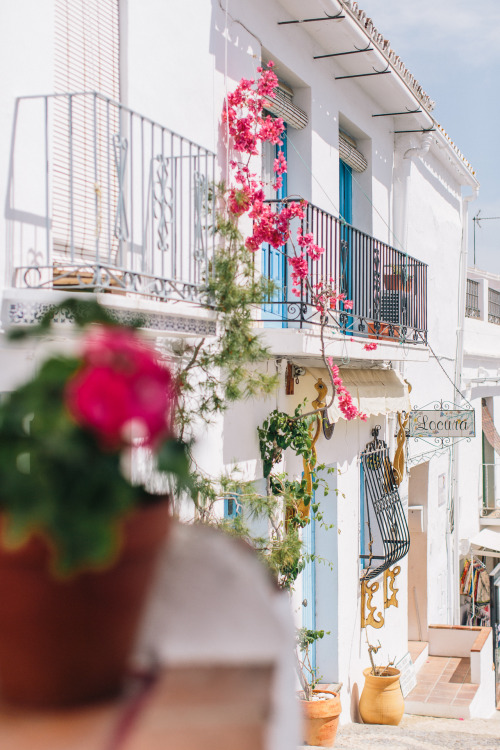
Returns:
<point x="102" y="198"/>
<point x="388" y="288"/>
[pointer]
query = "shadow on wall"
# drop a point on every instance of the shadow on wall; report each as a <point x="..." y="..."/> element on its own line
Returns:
<point x="355" y="715"/>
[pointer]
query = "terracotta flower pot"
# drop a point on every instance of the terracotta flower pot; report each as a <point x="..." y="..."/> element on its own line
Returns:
<point x="381" y="701"/>
<point x="65" y="642"/>
<point x="321" y="719"/>
<point x="396" y="282"/>
<point x="383" y="332"/>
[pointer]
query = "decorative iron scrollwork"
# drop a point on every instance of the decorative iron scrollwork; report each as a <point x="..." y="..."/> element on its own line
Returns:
<point x="389" y="540"/>
<point x="120" y="147"/>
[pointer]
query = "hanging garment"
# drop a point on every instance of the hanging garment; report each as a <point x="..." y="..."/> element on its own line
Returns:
<point x="483" y="588"/>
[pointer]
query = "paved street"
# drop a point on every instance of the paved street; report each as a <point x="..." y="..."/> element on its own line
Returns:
<point x="422" y="733"/>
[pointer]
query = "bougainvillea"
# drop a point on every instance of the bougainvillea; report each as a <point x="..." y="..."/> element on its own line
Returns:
<point x="248" y="127"/>
<point x="346" y="405"/>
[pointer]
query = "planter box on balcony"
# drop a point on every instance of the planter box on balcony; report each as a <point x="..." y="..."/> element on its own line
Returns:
<point x="396" y="283"/>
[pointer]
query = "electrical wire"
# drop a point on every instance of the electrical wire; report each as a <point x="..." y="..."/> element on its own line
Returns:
<point x="441" y="366"/>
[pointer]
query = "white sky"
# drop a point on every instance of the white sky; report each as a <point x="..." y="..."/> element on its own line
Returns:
<point x="452" y="48"/>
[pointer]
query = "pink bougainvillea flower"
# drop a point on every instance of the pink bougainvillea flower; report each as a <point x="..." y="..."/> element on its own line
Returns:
<point x="346" y="405"/>
<point x="370" y="347"/>
<point x="120" y="384"/>
<point x="348" y="304"/>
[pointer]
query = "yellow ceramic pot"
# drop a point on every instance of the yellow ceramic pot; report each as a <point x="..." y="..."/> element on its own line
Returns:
<point x="381" y="701"/>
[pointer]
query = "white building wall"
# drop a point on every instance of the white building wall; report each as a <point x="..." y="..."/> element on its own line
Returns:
<point x="177" y="67"/>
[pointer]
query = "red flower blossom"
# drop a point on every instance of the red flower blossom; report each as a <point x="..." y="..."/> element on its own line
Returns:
<point x="120" y="384"/>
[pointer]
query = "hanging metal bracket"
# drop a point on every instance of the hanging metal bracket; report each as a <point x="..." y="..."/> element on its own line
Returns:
<point x="362" y="75"/>
<point x="418" y="130"/>
<point x="393" y="114"/>
<point x="355" y="51"/>
<point x="326" y="17"/>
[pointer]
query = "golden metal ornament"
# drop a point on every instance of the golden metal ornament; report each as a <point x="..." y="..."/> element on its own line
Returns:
<point x="399" y="455"/>
<point x="304" y="510"/>
<point x="319" y="402"/>
<point x="389" y="581"/>
<point x="367" y="608"/>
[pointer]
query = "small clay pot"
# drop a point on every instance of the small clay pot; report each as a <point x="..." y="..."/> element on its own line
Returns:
<point x="67" y="642"/>
<point x="382" y="701"/>
<point x="321" y="719"/>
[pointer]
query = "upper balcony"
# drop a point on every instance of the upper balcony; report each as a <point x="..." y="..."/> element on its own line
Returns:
<point x="482" y="316"/>
<point x="102" y="198"/>
<point x="388" y="288"/>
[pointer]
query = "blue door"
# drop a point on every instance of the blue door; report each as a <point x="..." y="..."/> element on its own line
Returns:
<point x="274" y="265"/>
<point x="345" y="283"/>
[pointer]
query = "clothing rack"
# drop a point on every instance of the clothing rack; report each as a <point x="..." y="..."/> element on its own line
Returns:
<point x="475" y="586"/>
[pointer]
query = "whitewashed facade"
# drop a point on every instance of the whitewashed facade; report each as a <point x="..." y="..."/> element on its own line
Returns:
<point x="176" y="63"/>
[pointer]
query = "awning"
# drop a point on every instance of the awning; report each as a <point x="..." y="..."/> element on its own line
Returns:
<point x="350" y="154"/>
<point x="488" y="540"/>
<point x="374" y="392"/>
<point x="282" y="106"/>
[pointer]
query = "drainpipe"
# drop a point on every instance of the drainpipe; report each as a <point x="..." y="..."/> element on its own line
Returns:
<point x="453" y="531"/>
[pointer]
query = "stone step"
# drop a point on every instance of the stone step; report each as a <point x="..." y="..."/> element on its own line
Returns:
<point x="443" y="689"/>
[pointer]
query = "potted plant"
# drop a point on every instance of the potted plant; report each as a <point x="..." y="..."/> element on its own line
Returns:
<point x="397" y="278"/>
<point x="320" y="708"/>
<point x="381" y="700"/>
<point x="78" y="539"/>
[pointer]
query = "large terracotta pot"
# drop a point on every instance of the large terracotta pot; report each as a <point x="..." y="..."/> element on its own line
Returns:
<point x="381" y="701"/>
<point x="64" y="642"/>
<point x="321" y="719"/>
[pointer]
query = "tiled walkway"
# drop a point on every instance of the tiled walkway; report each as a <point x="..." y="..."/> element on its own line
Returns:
<point x="444" y="679"/>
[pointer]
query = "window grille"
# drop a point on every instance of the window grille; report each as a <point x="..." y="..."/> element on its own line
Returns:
<point x="386" y="538"/>
<point x="472" y="299"/>
<point x="85" y="184"/>
<point x="494" y="306"/>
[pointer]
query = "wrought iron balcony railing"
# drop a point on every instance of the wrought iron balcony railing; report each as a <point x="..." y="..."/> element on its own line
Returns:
<point x="388" y="288"/>
<point x="103" y="198"/>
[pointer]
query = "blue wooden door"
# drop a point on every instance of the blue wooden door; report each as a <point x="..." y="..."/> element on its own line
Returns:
<point x="274" y="265"/>
<point x="345" y="282"/>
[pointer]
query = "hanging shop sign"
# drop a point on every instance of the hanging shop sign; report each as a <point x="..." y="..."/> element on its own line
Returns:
<point x="442" y="423"/>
